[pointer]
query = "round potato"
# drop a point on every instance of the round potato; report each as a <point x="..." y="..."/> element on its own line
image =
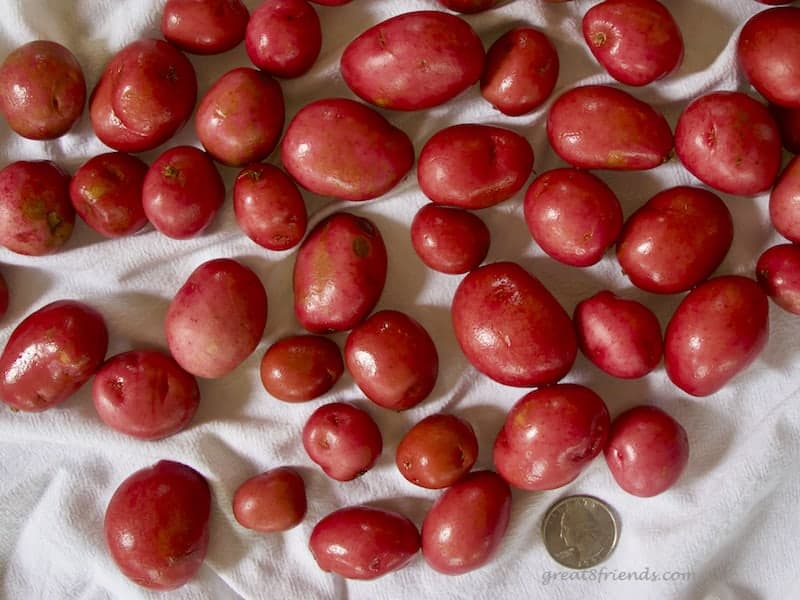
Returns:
<point x="299" y="368"/>
<point x="448" y="239"/>
<point x="204" y="26"/>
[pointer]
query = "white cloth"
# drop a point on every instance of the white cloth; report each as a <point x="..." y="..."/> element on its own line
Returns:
<point x="731" y="520"/>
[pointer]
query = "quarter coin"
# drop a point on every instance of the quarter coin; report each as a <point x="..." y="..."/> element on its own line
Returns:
<point x="580" y="531"/>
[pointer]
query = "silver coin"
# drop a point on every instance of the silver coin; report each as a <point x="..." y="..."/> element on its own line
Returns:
<point x="580" y="531"/>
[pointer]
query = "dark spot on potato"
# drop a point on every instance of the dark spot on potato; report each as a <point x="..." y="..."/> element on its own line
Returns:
<point x="375" y="565"/>
<point x="54" y="220"/>
<point x="361" y="247"/>
<point x="598" y="39"/>
<point x="407" y="464"/>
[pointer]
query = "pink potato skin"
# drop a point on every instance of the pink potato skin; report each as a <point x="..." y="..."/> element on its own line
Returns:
<point x="730" y="142"/>
<point x="42" y="90"/>
<point x="716" y="332"/>
<point x="413" y="61"/>
<point x="601" y="127"/>
<point x="204" y="26"/>
<point x="343" y="149"/>
<point x="299" y="368"/>
<point x="622" y="337"/>
<point x="216" y="318"/>
<point x="573" y="216"/>
<point x="521" y="71"/>
<point x="465" y="526"/>
<point x="339" y="273"/>
<point x="449" y="240"/>
<point x="51" y="354"/>
<point x="550" y="436"/>
<point x="36" y="215"/>
<point x="636" y="41"/>
<point x="675" y="240"/>
<point x="511" y="328"/>
<point x="240" y="118"/>
<point x="474" y="166"/>
<point x="145" y="394"/>
<point x="784" y="202"/>
<point x="271" y="501"/>
<point x="647" y="451"/>
<point x="778" y="273"/>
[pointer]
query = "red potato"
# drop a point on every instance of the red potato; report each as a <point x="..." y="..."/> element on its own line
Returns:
<point x="299" y="368"/>
<point x="392" y="359"/>
<point x="145" y="394"/>
<point x="729" y="141"/>
<point x="474" y="166"/>
<point x="36" y="215"/>
<point x="343" y="440"/>
<point x="788" y="120"/>
<point x="647" y="451"/>
<point x="600" y="127"/>
<point x="106" y="192"/>
<point x="511" y="328"/>
<point x="636" y="41"/>
<point x="341" y="148"/>
<point x="469" y="7"/>
<point x="521" y="71"/>
<point x="216" y="318"/>
<point x="676" y="240"/>
<point x="51" y="354"/>
<point x="272" y="501"/>
<point x="550" y="436"/>
<point x="449" y="240"/>
<point x="156" y="525"/>
<point x="716" y="332"/>
<point x="339" y="273"/>
<point x="107" y="125"/>
<point x="784" y="202"/>
<point x="3" y="296"/>
<point x="778" y="273"/>
<point x="768" y="51"/>
<point x="573" y="216"/>
<point x="204" y="26"/>
<point x="465" y="526"/>
<point x="622" y="337"/>
<point x="268" y="207"/>
<point x="284" y="37"/>
<point x="42" y="90"/>
<point x="240" y="119"/>
<point x="361" y="542"/>
<point x="182" y="192"/>
<point x="437" y="452"/>
<point x="413" y="61"/>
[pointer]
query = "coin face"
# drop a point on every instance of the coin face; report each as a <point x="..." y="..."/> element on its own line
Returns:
<point x="580" y="531"/>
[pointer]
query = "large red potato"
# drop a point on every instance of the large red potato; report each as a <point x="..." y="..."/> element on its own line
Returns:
<point x="716" y="332"/>
<point x="449" y="239"/>
<point x="204" y="26"/>
<point x="50" y="354"/>
<point x="778" y="273"/>
<point x="784" y="202"/>
<point x="511" y="328"/>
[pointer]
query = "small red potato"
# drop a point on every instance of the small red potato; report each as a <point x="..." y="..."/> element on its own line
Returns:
<point x="573" y="216"/>
<point x="550" y="436"/>
<point x="204" y="26"/>
<point x="343" y="440"/>
<point x="729" y="141"/>
<point x="42" y="90"/>
<point x="437" y="452"/>
<point x="511" y="328"/>
<point x="622" y="337"/>
<point x="284" y="37"/>
<point x="392" y="359"/>
<point x="413" y="61"/>
<point x="636" y="41"/>
<point x="449" y="240"/>
<point x="601" y="127"/>
<point x="474" y="166"/>
<point x="778" y="273"/>
<point x="156" y="525"/>
<point x="361" y="542"/>
<point x="676" y="240"/>
<point x="299" y="368"/>
<point x="216" y="318"/>
<point x="784" y="202"/>
<point x="521" y="71"/>
<point x="51" y="354"/>
<point x="145" y="394"/>
<point x="469" y="7"/>
<point x="647" y="451"/>
<point x="36" y="215"/>
<point x="339" y="273"/>
<point x="272" y="501"/>
<point x="716" y="332"/>
<point x="106" y="192"/>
